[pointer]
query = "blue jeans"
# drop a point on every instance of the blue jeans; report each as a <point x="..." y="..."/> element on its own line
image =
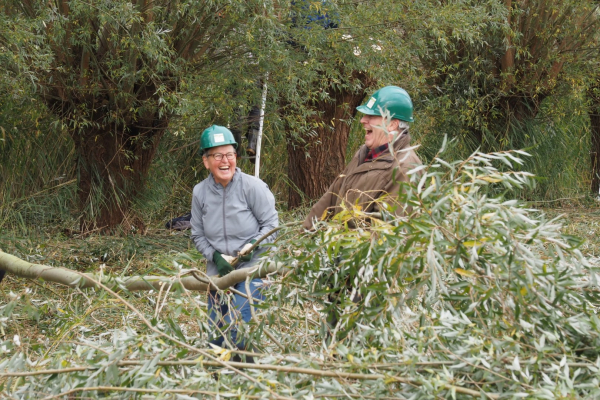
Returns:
<point x="220" y="314"/>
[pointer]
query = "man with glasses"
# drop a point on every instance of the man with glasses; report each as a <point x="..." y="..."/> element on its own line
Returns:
<point x="230" y="211"/>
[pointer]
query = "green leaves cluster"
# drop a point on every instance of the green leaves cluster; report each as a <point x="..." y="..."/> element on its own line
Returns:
<point x="470" y="277"/>
<point x="119" y="62"/>
<point x="491" y="74"/>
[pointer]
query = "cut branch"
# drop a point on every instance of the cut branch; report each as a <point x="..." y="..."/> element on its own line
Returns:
<point x="142" y="390"/>
<point x="15" y="266"/>
<point x="269" y="367"/>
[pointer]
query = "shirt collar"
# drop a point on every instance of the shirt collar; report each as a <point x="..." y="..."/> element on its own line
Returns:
<point x="376" y="152"/>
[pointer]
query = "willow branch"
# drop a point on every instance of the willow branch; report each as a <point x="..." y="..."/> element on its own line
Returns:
<point x="192" y="391"/>
<point x="16" y="266"/>
<point x="140" y="390"/>
<point x="240" y="365"/>
<point x="263" y="237"/>
<point x="270" y="367"/>
<point x="183" y="344"/>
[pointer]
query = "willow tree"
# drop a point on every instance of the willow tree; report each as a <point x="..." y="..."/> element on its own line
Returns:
<point x="493" y="74"/>
<point x="333" y="53"/>
<point x="593" y="94"/>
<point x="113" y="72"/>
<point x="337" y="52"/>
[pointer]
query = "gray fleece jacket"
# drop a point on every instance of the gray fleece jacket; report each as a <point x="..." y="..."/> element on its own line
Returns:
<point x="224" y="219"/>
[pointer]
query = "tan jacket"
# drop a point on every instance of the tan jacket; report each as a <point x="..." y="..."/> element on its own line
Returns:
<point x="363" y="182"/>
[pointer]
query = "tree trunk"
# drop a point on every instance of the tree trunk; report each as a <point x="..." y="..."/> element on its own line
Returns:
<point x="316" y="159"/>
<point x="594" y="112"/>
<point x="112" y="169"/>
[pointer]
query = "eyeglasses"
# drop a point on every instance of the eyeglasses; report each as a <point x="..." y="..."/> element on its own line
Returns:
<point x="219" y="156"/>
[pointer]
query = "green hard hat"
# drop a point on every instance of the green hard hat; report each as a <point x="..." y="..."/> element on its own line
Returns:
<point x="393" y="99"/>
<point x="215" y="136"/>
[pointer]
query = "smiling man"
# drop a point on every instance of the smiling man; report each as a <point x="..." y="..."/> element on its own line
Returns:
<point x="230" y="211"/>
<point x="372" y="177"/>
<point x="374" y="171"/>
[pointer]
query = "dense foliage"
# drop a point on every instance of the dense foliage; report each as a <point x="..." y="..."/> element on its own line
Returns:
<point x="473" y="295"/>
<point x="452" y="57"/>
<point x="113" y="75"/>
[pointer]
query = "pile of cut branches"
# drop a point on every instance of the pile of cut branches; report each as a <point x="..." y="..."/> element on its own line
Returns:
<point x="472" y="295"/>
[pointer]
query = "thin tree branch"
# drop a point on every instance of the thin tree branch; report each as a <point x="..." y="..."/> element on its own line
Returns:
<point x="15" y="266"/>
<point x="240" y="365"/>
<point x="191" y="391"/>
<point x="263" y="237"/>
<point x="140" y="390"/>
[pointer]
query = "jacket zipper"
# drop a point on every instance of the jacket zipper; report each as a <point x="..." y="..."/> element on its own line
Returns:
<point x="224" y="226"/>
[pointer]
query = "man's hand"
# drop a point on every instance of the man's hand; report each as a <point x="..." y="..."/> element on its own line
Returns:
<point x="223" y="263"/>
<point x="245" y="253"/>
<point x="227" y="258"/>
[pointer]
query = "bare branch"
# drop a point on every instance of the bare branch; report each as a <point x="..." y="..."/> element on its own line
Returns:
<point x="15" y="266"/>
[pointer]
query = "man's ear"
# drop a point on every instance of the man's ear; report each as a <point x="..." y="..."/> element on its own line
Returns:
<point x="394" y="125"/>
<point x="205" y="161"/>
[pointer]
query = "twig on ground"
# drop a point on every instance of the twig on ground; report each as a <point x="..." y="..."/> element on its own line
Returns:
<point x="234" y="365"/>
<point x="140" y="390"/>
<point x="192" y="391"/>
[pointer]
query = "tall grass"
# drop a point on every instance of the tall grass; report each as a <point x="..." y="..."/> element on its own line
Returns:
<point x="558" y="140"/>
<point x="559" y="158"/>
<point x="37" y="167"/>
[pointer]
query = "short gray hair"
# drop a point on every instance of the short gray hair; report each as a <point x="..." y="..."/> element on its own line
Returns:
<point x="403" y="126"/>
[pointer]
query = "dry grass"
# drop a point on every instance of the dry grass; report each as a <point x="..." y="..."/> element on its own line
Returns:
<point x="42" y="322"/>
<point x="584" y="223"/>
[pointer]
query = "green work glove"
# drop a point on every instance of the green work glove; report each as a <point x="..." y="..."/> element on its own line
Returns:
<point x="223" y="266"/>
<point x="248" y="256"/>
